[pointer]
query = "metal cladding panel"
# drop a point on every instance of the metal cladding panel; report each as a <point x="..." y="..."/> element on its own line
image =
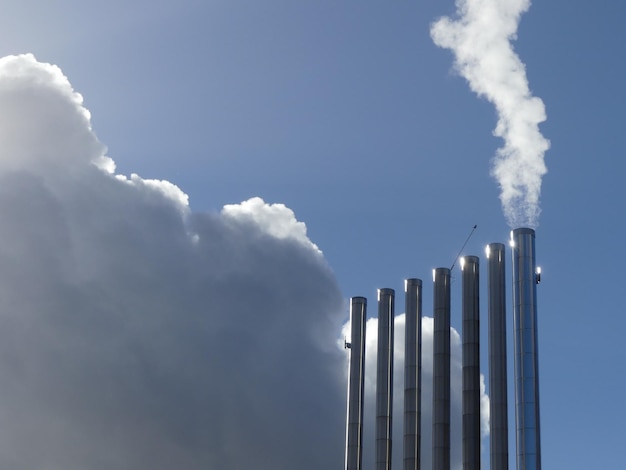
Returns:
<point x="527" y="420"/>
<point x="441" y="370"/>
<point x="356" y="382"/>
<point x="471" y="363"/>
<point x="412" y="373"/>
<point x="498" y="403"/>
<point x="384" y="379"/>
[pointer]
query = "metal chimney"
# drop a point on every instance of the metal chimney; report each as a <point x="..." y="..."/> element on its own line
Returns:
<point x="384" y="379"/>
<point x="356" y="381"/>
<point x="441" y="370"/>
<point x="412" y="373"/>
<point x="526" y="359"/>
<point x="498" y="403"/>
<point x="471" y="362"/>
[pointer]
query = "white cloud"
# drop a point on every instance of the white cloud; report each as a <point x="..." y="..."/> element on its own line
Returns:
<point x="136" y="333"/>
<point x="276" y="220"/>
<point x="32" y="98"/>
<point x="456" y="397"/>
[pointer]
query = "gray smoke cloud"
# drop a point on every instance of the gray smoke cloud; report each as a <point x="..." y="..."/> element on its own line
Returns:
<point x="456" y="393"/>
<point x="481" y="42"/>
<point x="137" y="333"/>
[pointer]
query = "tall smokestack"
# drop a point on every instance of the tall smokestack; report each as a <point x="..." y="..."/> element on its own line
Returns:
<point x="471" y="363"/>
<point x="526" y="359"/>
<point x="384" y="379"/>
<point x="356" y="381"/>
<point x="498" y="414"/>
<point x="412" y="374"/>
<point x="441" y="370"/>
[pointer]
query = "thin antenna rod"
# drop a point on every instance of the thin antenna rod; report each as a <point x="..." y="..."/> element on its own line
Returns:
<point x="461" y="250"/>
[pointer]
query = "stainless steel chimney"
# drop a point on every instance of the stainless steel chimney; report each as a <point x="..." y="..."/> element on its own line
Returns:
<point x="441" y="370"/>
<point x="412" y="373"/>
<point x="356" y="382"/>
<point x="526" y="359"/>
<point x="384" y="379"/>
<point x="471" y="362"/>
<point x="498" y="403"/>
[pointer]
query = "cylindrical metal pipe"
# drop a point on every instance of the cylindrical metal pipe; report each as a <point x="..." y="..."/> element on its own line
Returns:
<point x="526" y="358"/>
<point x="384" y="379"/>
<point x="471" y="362"/>
<point x="498" y="403"/>
<point x="412" y="373"/>
<point x="441" y="370"/>
<point x="356" y="383"/>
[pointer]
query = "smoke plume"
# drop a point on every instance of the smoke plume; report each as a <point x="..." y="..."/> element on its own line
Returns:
<point x="481" y="42"/>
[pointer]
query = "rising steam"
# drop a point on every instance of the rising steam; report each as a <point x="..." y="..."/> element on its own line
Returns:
<point x="481" y="42"/>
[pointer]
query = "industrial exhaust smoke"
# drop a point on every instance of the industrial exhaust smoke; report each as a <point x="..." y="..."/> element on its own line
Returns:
<point x="481" y="40"/>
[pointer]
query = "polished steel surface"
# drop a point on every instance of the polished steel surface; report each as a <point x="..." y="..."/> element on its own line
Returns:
<point x="356" y="382"/>
<point x="498" y="403"/>
<point x="441" y="370"/>
<point x="471" y="362"/>
<point x="526" y="359"/>
<point x="412" y="373"/>
<point x="384" y="379"/>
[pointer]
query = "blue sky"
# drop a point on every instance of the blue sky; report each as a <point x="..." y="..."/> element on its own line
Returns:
<point x="347" y="113"/>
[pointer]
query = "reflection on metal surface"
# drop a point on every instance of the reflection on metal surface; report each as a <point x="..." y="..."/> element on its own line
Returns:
<point x="471" y="362"/>
<point x="384" y="379"/>
<point x="412" y="373"/>
<point x="498" y="414"/>
<point x="526" y="276"/>
<point x="441" y="370"/>
<point x="356" y="381"/>
<point x="526" y="359"/>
